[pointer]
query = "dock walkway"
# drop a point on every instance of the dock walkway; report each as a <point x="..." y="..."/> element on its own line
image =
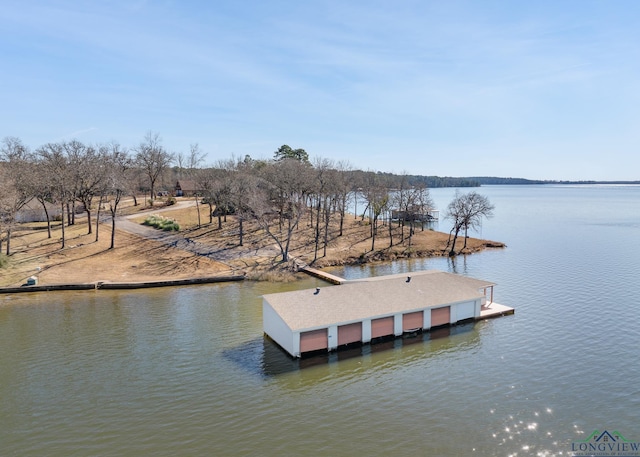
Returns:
<point x="333" y="279"/>
<point x="492" y="310"/>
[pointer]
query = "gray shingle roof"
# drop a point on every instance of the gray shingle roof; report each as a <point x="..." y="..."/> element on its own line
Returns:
<point x="373" y="297"/>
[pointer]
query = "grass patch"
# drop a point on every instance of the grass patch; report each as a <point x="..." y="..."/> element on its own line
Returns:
<point x="162" y="223"/>
<point x="4" y="260"/>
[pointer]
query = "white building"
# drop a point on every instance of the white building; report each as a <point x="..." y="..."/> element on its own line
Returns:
<point x="361" y="311"/>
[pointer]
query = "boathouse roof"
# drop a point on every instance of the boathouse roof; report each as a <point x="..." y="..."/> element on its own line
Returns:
<point x="370" y="298"/>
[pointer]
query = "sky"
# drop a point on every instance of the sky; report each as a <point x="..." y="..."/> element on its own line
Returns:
<point x="538" y="90"/>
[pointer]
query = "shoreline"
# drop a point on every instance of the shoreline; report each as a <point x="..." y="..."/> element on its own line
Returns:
<point x="99" y="285"/>
<point x="145" y="257"/>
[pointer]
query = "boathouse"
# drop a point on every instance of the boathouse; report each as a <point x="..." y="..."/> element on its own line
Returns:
<point x="363" y="311"/>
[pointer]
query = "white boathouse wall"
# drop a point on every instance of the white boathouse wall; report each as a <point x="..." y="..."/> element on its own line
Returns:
<point x="463" y="311"/>
<point x="279" y="331"/>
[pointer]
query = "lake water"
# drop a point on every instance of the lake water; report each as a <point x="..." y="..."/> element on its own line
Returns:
<point x="186" y="371"/>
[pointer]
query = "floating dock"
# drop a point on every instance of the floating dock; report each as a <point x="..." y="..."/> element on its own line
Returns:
<point x="333" y="279"/>
<point x="491" y="310"/>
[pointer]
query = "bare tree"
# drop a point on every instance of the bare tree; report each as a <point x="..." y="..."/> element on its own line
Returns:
<point x="15" y="178"/>
<point x="42" y="190"/>
<point x="136" y="183"/>
<point x="281" y="199"/>
<point x="189" y="162"/>
<point x="196" y="158"/>
<point x="401" y="199"/>
<point x="467" y="211"/>
<point x="153" y="159"/>
<point x="246" y="192"/>
<point x="8" y="196"/>
<point x="323" y="179"/>
<point x="418" y="203"/>
<point x="217" y="183"/>
<point x="376" y="193"/>
<point x="345" y="189"/>
<point x="119" y="168"/>
<point x="87" y="171"/>
<point x="55" y="167"/>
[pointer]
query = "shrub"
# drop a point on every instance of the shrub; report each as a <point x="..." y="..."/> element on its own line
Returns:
<point x="161" y="223"/>
<point x="171" y="201"/>
<point x="4" y="260"/>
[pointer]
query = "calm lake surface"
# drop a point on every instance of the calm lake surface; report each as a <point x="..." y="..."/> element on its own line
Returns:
<point x="186" y="371"/>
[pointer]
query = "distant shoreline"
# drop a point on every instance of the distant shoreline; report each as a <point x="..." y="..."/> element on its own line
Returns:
<point x="494" y="180"/>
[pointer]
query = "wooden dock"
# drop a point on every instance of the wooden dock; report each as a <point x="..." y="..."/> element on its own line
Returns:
<point x="494" y="310"/>
<point x="333" y="279"/>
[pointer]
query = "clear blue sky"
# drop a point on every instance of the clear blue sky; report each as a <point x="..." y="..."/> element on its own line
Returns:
<point x="533" y="89"/>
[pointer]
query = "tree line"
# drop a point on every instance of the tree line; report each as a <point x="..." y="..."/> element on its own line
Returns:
<point x="276" y="194"/>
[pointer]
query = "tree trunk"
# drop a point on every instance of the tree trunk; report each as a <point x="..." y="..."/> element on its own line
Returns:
<point x="198" y="209"/>
<point x="62" y="222"/>
<point x="89" y="232"/>
<point x="411" y="230"/>
<point x="453" y="246"/>
<point x="46" y="213"/>
<point x="327" y="215"/>
<point x="285" y="250"/>
<point x="113" y="230"/>
<point x="9" y="241"/>
<point x="241" y="234"/>
<point x="373" y="233"/>
<point x="98" y="217"/>
<point x="113" y="208"/>
<point x="316" y="232"/>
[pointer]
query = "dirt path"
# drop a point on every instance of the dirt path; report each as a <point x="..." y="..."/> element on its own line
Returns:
<point x="179" y="241"/>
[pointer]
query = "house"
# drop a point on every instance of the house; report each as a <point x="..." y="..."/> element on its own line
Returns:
<point x="33" y="211"/>
<point x="186" y="188"/>
<point x="366" y="310"/>
<point x="416" y="215"/>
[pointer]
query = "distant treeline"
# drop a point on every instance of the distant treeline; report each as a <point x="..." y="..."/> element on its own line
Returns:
<point x="477" y="181"/>
<point x="488" y="180"/>
<point x="431" y="181"/>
